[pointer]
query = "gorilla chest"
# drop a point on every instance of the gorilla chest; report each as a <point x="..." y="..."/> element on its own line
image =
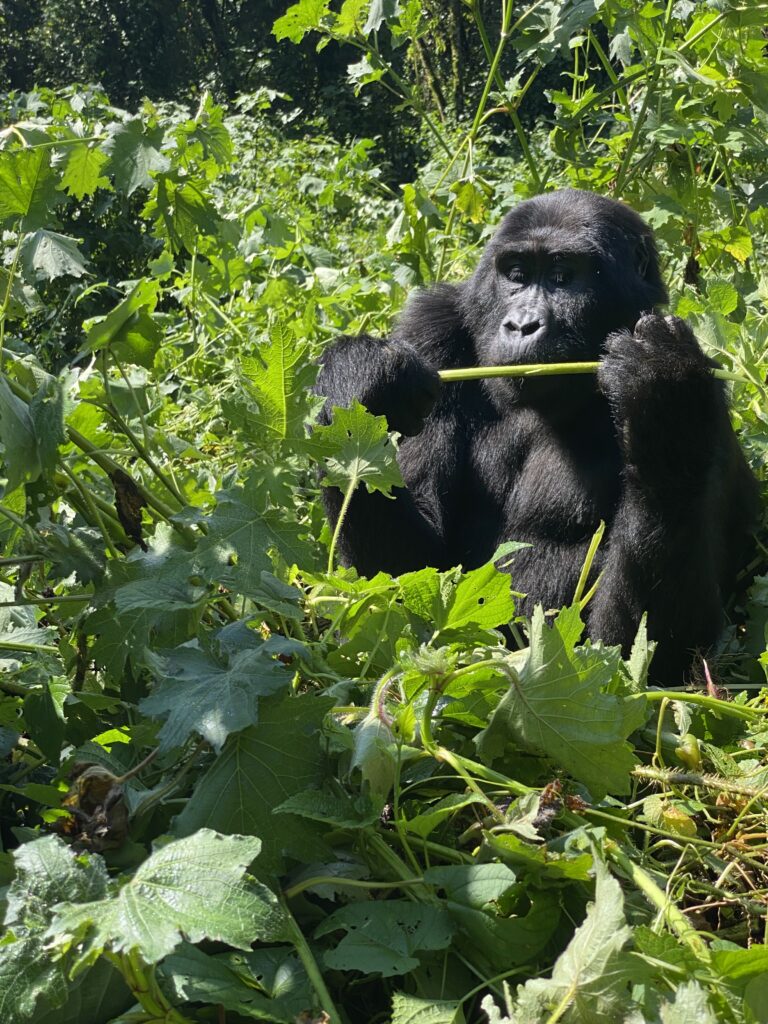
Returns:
<point x="538" y="485"/>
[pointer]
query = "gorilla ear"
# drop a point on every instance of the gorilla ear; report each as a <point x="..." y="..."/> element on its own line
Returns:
<point x="643" y="257"/>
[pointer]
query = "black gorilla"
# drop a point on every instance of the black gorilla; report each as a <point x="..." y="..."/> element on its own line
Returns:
<point x="646" y="446"/>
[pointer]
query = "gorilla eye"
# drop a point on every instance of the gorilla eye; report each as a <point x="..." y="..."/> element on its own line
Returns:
<point x="515" y="273"/>
<point x="561" y="275"/>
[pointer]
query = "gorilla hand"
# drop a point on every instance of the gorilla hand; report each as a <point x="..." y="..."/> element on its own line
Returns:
<point x="663" y="399"/>
<point x="389" y="378"/>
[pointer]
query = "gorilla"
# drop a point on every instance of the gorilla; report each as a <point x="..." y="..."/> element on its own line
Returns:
<point x="645" y="445"/>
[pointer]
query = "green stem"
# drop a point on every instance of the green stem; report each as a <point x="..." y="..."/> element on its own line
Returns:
<point x="708" y="703"/>
<point x="311" y="966"/>
<point x="650" y="90"/>
<point x="548" y="370"/>
<point x="9" y="645"/>
<point x="594" y="544"/>
<point x="673" y="916"/>
<point x="355" y="883"/>
<point x="340" y="521"/>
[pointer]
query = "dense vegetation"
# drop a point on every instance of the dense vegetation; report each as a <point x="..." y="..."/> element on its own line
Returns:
<point x="238" y="781"/>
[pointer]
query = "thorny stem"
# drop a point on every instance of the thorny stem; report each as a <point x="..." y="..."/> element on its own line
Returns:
<point x="673" y="916"/>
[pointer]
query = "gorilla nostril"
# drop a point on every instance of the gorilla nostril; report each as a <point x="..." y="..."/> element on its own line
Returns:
<point x="530" y="328"/>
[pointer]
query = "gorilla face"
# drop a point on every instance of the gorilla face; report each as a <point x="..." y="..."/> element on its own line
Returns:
<point x="562" y="272"/>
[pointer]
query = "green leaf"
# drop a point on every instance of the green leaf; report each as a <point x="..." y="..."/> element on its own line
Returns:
<point x="134" y="155"/>
<point x="268" y="984"/>
<point x="428" y="820"/>
<point x="384" y="936"/>
<point x="449" y="600"/>
<point x="184" y="214"/>
<point x="305" y="16"/>
<point x="593" y="973"/>
<point x="722" y="297"/>
<point x="339" y="809"/>
<point x="349" y="20"/>
<point x="412" y="1010"/>
<point x="213" y="698"/>
<point x="46" y="871"/>
<point x="27" y="188"/>
<point x="44" y="715"/>
<point x="17" y="433"/>
<point x="241" y="535"/>
<point x="556" y="706"/>
<point x="356" y="448"/>
<point x="47" y="255"/>
<point x="257" y="771"/>
<point x="152" y="596"/>
<point x="124" y="317"/>
<point x="691" y="1003"/>
<point x="492" y="937"/>
<point x="279" y="379"/>
<point x="82" y="171"/>
<point x="379" y="12"/>
<point x="194" y="886"/>
<point x="483" y="597"/>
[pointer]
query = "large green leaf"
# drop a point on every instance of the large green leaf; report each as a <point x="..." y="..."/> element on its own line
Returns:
<point x="592" y="975"/>
<point x="27" y="188"/>
<point x="258" y="770"/>
<point x="279" y="378"/>
<point x="197" y="693"/>
<point x="299" y="19"/>
<point x="354" y="449"/>
<point x="384" y="936"/>
<point x="47" y="871"/>
<point x="47" y="255"/>
<point x="134" y="155"/>
<point x="557" y="706"/>
<point x="242" y="533"/>
<point x="82" y="170"/>
<point x="194" y="887"/>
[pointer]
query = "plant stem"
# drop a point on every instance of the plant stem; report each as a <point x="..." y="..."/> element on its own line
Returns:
<point x="311" y="966"/>
<point x="340" y="521"/>
<point x="708" y="703"/>
<point x="674" y="917"/>
<point x="548" y="370"/>
<point x="355" y="883"/>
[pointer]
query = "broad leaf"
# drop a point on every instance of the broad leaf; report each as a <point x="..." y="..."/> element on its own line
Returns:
<point x="557" y="706"/>
<point x="265" y="985"/>
<point x="354" y="449"/>
<point x="241" y="535"/>
<point x="412" y="1010"/>
<point x="256" y="772"/>
<point x="134" y="155"/>
<point x="194" y="886"/>
<point x="47" y="255"/>
<point x="384" y="936"/>
<point x="198" y="694"/>
<point x="279" y="378"/>
<point x="82" y="171"/>
<point x="299" y="19"/>
<point x="27" y="188"/>
<point x="592" y="974"/>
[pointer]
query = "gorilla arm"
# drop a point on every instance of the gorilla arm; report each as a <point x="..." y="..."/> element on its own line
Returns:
<point x="390" y="378"/>
<point x="686" y="494"/>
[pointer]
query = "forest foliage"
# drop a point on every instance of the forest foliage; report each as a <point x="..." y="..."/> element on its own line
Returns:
<point x="241" y="782"/>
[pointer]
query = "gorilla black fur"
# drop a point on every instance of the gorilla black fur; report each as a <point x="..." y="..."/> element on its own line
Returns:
<point x="646" y="446"/>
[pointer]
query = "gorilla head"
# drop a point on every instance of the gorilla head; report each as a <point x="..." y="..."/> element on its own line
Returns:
<point x="562" y="272"/>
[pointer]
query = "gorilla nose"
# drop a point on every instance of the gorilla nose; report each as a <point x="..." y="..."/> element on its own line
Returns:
<point x="525" y="328"/>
